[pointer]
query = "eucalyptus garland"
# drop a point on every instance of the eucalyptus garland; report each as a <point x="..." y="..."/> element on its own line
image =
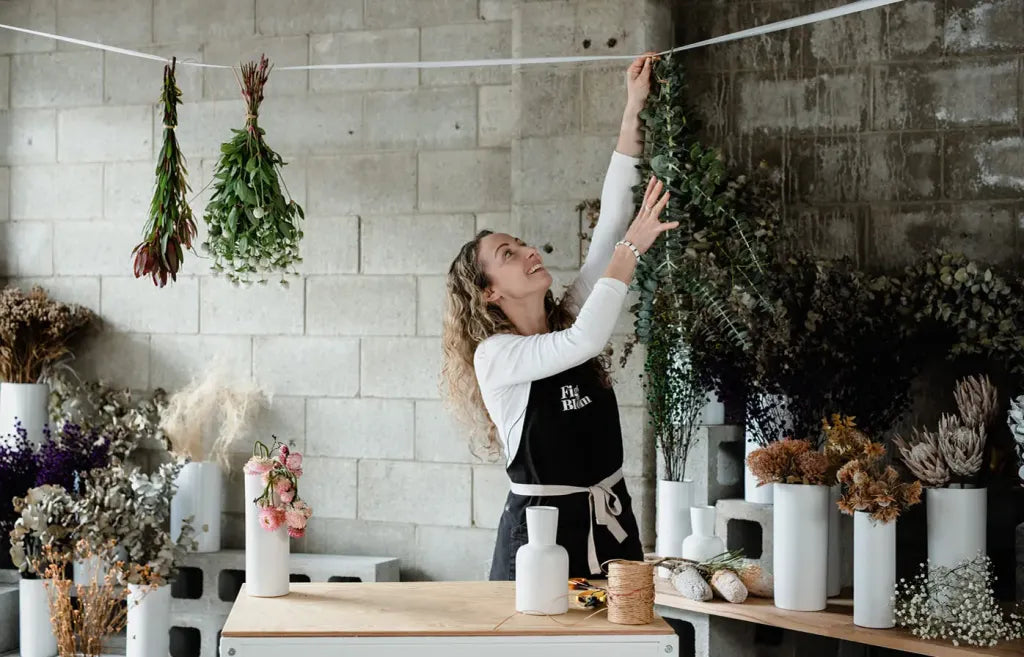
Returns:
<point x="171" y="227"/>
<point x="254" y="228"/>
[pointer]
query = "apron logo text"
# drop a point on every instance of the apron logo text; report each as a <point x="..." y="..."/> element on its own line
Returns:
<point x="571" y="400"/>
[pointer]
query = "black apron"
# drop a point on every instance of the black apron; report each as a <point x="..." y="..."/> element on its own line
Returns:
<point x="571" y="436"/>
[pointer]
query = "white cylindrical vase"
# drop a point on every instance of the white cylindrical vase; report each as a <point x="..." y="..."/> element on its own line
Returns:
<point x="800" y="563"/>
<point x="672" y="516"/>
<point x="199" y="496"/>
<point x="751" y="491"/>
<point x="956" y="524"/>
<point x="542" y="566"/>
<point x="702" y="544"/>
<point x="35" y="632"/>
<point x="874" y="571"/>
<point x="835" y="583"/>
<point x="148" y="632"/>
<point x="25" y="403"/>
<point x="713" y="413"/>
<point x="266" y="552"/>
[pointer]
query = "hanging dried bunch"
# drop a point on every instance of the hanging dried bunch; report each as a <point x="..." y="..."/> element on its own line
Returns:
<point x="171" y="228"/>
<point x="922" y="455"/>
<point x="36" y="333"/>
<point x="977" y="400"/>
<point x="254" y="228"/>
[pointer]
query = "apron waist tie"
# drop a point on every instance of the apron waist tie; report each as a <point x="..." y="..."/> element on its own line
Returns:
<point x="604" y="505"/>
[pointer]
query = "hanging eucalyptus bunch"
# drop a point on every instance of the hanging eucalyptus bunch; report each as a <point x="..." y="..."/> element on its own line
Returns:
<point x="254" y="229"/>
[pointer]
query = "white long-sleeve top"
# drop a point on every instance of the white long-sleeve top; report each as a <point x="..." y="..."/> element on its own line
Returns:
<point x="506" y="364"/>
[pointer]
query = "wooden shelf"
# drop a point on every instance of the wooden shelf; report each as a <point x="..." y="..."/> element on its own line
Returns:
<point x="836" y="621"/>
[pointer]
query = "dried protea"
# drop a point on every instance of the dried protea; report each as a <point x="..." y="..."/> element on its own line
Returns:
<point x="921" y="454"/>
<point x="1015" y="418"/>
<point x="977" y="400"/>
<point x="961" y="445"/>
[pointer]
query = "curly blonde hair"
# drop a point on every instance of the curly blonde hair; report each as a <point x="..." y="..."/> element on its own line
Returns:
<point x="468" y="321"/>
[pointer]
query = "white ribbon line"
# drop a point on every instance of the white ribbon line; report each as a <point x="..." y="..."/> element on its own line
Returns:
<point x="828" y="14"/>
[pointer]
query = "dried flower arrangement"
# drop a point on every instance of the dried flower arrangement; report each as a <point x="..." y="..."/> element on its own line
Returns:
<point x="36" y="333"/>
<point x="957" y="604"/>
<point x="952" y="455"/>
<point x="1015" y="418"/>
<point x="280" y="502"/>
<point x="790" y="461"/>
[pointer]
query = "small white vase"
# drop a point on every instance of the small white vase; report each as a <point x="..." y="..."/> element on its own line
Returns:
<point x="672" y="513"/>
<point x="702" y="543"/>
<point x="751" y="491"/>
<point x="27" y="403"/>
<point x="713" y="413"/>
<point x="835" y="583"/>
<point x="874" y="571"/>
<point x="148" y="632"/>
<point x="542" y="566"/>
<point x="266" y="552"/>
<point x="198" y="496"/>
<point x="956" y="524"/>
<point x="800" y="562"/>
<point x="35" y="633"/>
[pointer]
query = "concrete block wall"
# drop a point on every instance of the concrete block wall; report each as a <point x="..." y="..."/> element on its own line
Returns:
<point x="395" y="170"/>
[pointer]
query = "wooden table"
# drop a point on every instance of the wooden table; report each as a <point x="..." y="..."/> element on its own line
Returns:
<point x="454" y="619"/>
<point x="835" y="621"/>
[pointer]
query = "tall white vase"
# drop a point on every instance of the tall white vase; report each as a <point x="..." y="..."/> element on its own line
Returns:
<point x="835" y="581"/>
<point x="149" y="621"/>
<point x="672" y="516"/>
<point x="956" y="524"/>
<point x="713" y="413"/>
<point x="751" y="491"/>
<point x="874" y="571"/>
<point x="542" y="566"/>
<point x="702" y="543"/>
<point x="266" y="552"/>
<point x="800" y="564"/>
<point x="198" y="496"/>
<point x="27" y="403"/>
<point x="35" y="633"/>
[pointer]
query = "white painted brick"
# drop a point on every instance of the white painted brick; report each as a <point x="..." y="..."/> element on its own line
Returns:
<point x="351" y="184"/>
<point x="26" y="248"/>
<point x="95" y="247"/>
<point x="637" y="444"/>
<point x="5" y="193"/>
<point x="257" y="310"/>
<point x="106" y="21"/>
<point x="330" y="486"/>
<point x="499" y="222"/>
<point x="490" y="490"/>
<point x="307" y="365"/>
<point x="119" y="359"/>
<point x="629" y="380"/>
<point x="220" y="83"/>
<point x="400" y="367"/>
<point x="320" y="124"/>
<point x="282" y="17"/>
<point x="284" y="417"/>
<point x="132" y="81"/>
<point x="549" y="101"/>
<point x="498" y="115"/>
<point x="175" y="360"/>
<point x="330" y="245"/>
<point x="582" y="163"/>
<point x="99" y="134"/>
<point x="438" y="436"/>
<point x="72" y="78"/>
<point x="413" y="244"/>
<point x="496" y="10"/>
<point x="358" y="537"/>
<point x="603" y="101"/>
<point x="5" y="82"/>
<point x="555" y="226"/>
<point x="464" y="180"/>
<point x="360" y="428"/>
<point x="473" y="41"/>
<point x="39" y="15"/>
<point x="360" y="47"/>
<point x="190" y="20"/>
<point x="128" y="189"/>
<point x="132" y="304"/>
<point x="421" y="117"/>
<point x="401" y="13"/>
<point x="28" y="136"/>
<point x="430" y="300"/>
<point x="67" y="289"/>
<point x="66" y="191"/>
<point x="451" y="554"/>
<point x="361" y="305"/>
<point x="424" y="493"/>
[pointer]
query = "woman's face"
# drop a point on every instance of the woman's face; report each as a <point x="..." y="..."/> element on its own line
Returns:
<point x="515" y="270"/>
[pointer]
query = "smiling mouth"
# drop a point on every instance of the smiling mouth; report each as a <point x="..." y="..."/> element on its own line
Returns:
<point x="534" y="269"/>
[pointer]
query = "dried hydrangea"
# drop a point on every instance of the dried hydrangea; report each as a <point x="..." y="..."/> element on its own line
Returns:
<point x="922" y="456"/>
<point x="36" y="333"/>
<point x="789" y="461"/>
<point x="956" y="604"/>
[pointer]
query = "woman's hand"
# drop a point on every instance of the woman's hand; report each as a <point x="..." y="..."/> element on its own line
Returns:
<point x="638" y="82"/>
<point x="648" y="225"/>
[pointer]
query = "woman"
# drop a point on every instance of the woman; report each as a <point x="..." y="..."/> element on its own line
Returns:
<point x="528" y="371"/>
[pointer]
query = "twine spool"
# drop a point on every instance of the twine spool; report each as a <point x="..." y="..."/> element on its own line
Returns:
<point x="630" y="592"/>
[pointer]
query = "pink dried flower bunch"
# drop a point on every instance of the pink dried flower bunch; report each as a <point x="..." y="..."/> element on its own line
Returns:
<point x="279" y="504"/>
<point x="789" y="461"/>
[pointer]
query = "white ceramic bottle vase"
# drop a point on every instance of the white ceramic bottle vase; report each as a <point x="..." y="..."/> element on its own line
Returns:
<point x="702" y="543"/>
<point x="542" y="566"/>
